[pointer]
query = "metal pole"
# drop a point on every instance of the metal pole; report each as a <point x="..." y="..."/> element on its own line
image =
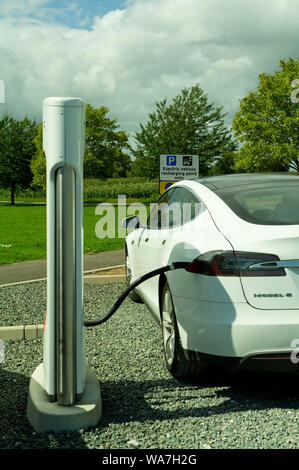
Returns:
<point x="65" y="286"/>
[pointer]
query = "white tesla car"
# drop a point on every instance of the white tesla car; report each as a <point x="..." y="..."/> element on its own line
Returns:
<point x="237" y="304"/>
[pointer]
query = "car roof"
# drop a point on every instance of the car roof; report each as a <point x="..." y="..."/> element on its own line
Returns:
<point x="240" y="179"/>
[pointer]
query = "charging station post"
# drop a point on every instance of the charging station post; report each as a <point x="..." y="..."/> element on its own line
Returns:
<point x="64" y="394"/>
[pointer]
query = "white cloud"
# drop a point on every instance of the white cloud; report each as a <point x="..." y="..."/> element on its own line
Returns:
<point x="23" y="7"/>
<point x="134" y="57"/>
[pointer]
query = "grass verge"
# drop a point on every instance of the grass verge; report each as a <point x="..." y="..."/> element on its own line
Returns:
<point x="23" y="232"/>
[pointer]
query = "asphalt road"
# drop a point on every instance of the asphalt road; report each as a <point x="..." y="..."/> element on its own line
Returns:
<point x="32" y="270"/>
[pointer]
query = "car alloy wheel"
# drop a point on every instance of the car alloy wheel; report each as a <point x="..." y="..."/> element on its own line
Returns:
<point x="168" y="328"/>
<point x="177" y="362"/>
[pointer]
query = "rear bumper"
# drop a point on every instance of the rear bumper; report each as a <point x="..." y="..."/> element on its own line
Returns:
<point x="237" y="331"/>
<point x="281" y="363"/>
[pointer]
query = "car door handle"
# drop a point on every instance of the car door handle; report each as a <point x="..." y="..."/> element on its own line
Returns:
<point x="291" y="263"/>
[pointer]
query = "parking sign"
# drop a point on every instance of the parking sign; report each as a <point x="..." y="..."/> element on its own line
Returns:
<point x="177" y="167"/>
<point x="171" y="160"/>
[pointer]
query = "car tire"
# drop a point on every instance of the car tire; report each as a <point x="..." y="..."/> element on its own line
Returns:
<point x="133" y="295"/>
<point x="176" y="361"/>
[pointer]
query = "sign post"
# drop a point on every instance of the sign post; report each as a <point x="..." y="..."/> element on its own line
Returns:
<point x="176" y="168"/>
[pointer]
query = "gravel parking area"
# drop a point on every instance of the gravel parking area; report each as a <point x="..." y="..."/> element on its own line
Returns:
<point x="143" y="405"/>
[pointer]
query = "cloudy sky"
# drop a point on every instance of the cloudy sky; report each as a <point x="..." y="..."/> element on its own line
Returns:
<point x="128" y="54"/>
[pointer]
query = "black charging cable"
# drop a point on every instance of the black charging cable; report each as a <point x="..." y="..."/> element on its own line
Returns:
<point x="145" y="277"/>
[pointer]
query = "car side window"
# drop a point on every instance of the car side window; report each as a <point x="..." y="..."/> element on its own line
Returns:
<point x="184" y="206"/>
<point x="176" y="207"/>
<point x="194" y="206"/>
<point x="159" y="210"/>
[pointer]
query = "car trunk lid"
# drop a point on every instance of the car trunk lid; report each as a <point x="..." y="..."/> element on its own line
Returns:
<point x="276" y="286"/>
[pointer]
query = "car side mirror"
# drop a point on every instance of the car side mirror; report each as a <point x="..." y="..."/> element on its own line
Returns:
<point x="131" y="222"/>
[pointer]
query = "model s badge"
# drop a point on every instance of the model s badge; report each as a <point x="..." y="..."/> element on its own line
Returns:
<point x="274" y="295"/>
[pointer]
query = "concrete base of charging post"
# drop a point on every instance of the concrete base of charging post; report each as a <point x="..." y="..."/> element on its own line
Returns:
<point x="46" y="416"/>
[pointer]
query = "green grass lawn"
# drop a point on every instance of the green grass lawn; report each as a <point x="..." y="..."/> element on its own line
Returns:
<point x="23" y="233"/>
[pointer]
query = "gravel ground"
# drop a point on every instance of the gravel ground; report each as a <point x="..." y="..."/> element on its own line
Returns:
<point x="141" y="401"/>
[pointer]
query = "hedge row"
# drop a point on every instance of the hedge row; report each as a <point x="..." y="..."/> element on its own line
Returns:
<point x="104" y="191"/>
<point x="99" y="192"/>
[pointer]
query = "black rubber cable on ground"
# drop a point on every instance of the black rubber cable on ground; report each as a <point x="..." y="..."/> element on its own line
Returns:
<point x="121" y="298"/>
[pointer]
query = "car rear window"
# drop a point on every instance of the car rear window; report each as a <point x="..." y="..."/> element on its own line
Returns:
<point x="264" y="204"/>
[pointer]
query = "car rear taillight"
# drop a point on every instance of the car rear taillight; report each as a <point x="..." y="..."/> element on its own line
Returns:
<point x="231" y="263"/>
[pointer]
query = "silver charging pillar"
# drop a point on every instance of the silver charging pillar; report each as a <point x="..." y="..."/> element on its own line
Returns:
<point x="64" y="393"/>
<point x="63" y="143"/>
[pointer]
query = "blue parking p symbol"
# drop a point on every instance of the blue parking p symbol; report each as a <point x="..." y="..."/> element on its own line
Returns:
<point x="171" y="160"/>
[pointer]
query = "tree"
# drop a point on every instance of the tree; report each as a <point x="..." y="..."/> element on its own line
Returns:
<point x="224" y="165"/>
<point x="104" y="155"/>
<point x="268" y="123"/>
<point x="188" y="125"/>
<point x="38" y="162"/>
<point x="16" y="151"/>
<point x="122" y="164"/>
